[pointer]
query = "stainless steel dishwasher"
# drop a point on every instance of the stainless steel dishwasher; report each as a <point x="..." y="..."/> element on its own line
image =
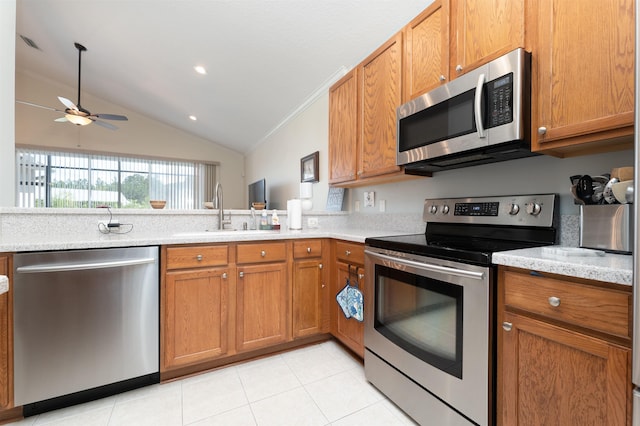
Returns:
<point x="86" y="325"/>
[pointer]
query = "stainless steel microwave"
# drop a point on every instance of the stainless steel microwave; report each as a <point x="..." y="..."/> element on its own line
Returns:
<point x="480" y="117"/>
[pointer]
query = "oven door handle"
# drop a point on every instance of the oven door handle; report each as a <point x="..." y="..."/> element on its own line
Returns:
<point x="429" y="266"/>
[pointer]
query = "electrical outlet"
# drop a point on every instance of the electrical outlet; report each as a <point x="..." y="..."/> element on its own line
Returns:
<point x="312" y="222"/>
<point x="356" y="206"/>
<point x="369" y="199"/>
<point x="383" y="205"/>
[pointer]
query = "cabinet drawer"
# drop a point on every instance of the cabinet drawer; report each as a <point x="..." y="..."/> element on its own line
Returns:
<point x="197" y="256"/>
<point x="307" y="249"/>
<point x="600" y="309"/>
<point x="261" y="252"/>
<point x="350" y="252"/>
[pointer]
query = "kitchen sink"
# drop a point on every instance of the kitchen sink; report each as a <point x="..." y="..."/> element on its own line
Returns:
<point x="222" y="232"/>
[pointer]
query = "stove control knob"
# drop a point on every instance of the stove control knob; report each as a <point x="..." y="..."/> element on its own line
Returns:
<point x="433" y="209"/>
<point x="445" y="209"/>
<point x="514" y="209"/>
<point x="534" y="209"/>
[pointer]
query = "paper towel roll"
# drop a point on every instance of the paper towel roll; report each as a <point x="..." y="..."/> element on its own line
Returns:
<point x="294" y="214"/>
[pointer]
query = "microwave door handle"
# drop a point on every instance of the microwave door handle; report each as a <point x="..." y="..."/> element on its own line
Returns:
<point x="478" y="106"/>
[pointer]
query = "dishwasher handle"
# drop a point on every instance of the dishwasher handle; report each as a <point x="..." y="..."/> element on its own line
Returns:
<point x="61" y="267"/>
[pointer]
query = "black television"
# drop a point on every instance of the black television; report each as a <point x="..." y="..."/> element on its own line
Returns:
<point x="258" y="192"/>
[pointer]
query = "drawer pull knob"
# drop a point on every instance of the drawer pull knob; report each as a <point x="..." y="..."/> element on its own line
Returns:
<point x="507" y="326"/>
<point x="320" y="266"/>
<point x="308" y="249"/>
<point x="241" y="274"/>
<point x="347" y="252"/>
<point x="554" y="301"/>
<point x="542" y="130"/>
<point x="458" y="68"/>
<point x="442" y="77"/>
<point x="263" y="253"/>
<point x="199" y="257"/>
<point x="224" y="275"/>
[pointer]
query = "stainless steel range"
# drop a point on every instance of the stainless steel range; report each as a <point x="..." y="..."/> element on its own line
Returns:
<point x="430" y="312"/>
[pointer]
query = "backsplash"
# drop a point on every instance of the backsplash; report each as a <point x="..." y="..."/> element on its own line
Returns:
<point x="82" y="224"/>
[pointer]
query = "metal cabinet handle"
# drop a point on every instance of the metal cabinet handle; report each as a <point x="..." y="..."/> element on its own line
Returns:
<point x="458" y="68"/>
<point x="263" y="253"/>
<point x="308" y="249"/>
<point x="542" y="130"/>
<point x="554" y="301"/>
<point x="224" y="275"/>
<point x="320" y="266"/>
<point x="507" y="326"/>
<point x="241" y="274"/>
<point x="442" y="77"/>
<point x="347" y="253"/>
<point x="199" y="257"/>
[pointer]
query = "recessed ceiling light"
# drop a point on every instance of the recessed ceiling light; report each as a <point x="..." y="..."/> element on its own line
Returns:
<point x="200" y="69"/>
<point x="193" y="117"/>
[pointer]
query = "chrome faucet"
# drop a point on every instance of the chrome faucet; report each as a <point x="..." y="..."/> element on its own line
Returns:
<point x="218" y="202"/>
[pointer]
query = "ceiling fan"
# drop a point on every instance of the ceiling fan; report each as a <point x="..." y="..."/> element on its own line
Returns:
<point x="74" y="113"/>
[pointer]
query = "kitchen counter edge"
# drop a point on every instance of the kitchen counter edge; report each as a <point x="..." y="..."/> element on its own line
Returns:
<point x="611" y="268"/>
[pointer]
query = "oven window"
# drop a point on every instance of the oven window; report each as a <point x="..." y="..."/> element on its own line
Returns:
<point x="421" y="315"/>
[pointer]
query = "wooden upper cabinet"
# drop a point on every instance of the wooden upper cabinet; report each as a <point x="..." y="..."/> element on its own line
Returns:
<point x="426" y="51"/>
<point x="482" y="30"/>
<point x="381" y="93"/>
<point x="343" y="128"/>
<point x="582" y="76"/>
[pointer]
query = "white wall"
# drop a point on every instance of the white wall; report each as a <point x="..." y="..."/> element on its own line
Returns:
<point x="140" y="135"/>
<point x="7" y="114"/>
<point x="278" y="161"/>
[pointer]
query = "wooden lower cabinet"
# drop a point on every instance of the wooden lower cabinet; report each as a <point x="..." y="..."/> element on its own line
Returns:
<point x="561" y="359"/>
<point x="349" y="264"/>
<point x="196" y="316"/>
<point x="310" y="291"/>
<point x="554" y="376"/>
<point x="6" y="338"/>
<point x="263" y="306"/>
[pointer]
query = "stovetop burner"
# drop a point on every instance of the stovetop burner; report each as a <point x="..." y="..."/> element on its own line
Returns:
<point x="470" y="230"/>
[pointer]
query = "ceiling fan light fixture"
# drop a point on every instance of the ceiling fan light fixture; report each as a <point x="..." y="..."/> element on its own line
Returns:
<point x="193" y="118"/>
<point x="200" y="69"/>
<point x="78" y="119"/>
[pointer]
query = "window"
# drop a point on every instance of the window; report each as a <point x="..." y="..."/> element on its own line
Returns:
<point x="67" y="179"/>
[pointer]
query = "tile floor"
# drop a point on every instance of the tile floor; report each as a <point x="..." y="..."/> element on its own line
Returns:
<point x="316" y="385"/>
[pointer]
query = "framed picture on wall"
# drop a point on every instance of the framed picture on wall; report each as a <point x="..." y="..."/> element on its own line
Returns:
<point x="309" y="167"/>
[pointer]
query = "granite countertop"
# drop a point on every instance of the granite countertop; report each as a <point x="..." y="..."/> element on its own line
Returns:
<point x="607" y="267"/>
<point x="97" y="240"/>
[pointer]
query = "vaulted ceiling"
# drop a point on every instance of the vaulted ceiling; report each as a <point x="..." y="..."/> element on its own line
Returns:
<point x="265" y="59"/>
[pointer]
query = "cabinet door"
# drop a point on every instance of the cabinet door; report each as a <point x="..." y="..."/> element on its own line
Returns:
<point x="482" y="30"/>
<point x="263" y="306"/>
<point x="196" y="316"/>
<point x="6" y="339"/>
<point x="381" y="94"/>
<point x="348" y="330"/>
<point x="553" y="376"/>
<point x="343" y="129"/>
<point x="583" y="74"/>
<point x="308" y="292"/>
<point x="426" y="50"/>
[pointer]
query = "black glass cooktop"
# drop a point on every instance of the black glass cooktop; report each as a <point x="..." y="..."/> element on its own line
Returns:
<point x="467" y="247"/>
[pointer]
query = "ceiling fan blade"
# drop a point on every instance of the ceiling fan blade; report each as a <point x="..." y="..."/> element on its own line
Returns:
<point x="66" y="102"/>
<point x="37" y="106"/>
<point x="104" y="124"/>
<point x="110" y="117"/>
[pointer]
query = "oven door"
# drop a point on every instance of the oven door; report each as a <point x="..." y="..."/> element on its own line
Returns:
<point x="431" y="320"/>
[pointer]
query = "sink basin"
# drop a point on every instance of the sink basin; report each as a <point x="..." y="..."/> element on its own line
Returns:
<point x="221" y="232"/>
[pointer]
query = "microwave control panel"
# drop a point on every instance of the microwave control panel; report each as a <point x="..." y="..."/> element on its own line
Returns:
<point x="500" y="101"/>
